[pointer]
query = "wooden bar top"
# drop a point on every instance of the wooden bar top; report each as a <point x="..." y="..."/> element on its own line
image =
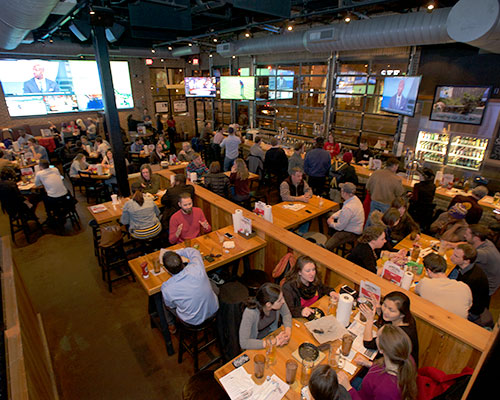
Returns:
<point x="300" y="334"/>
<point x="211" y="243"/>
<point x="287" y="219"/>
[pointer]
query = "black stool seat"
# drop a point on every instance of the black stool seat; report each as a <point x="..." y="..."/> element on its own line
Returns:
<point x="113" y="258"/>
<point x="203" y="386"/>
<point x="193" y="347"/>
<point x="254" y="279"/>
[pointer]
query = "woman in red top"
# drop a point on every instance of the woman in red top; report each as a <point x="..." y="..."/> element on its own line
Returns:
<point x="332" y="147"/>
<point x="240" y="189"/>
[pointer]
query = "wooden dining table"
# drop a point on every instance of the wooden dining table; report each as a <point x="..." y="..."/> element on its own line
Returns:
<point x="209" y="244"/>
<point x="300" y="334"/>
<point x="289" y="219"/>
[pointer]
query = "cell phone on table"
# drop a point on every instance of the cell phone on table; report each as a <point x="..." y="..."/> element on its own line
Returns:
<point x="240" y="361"/>
<point x="308" y="211"/>
<point x="228" y="235"/>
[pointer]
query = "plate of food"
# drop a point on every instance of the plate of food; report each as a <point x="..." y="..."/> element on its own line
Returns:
<point x="316" y="314"/>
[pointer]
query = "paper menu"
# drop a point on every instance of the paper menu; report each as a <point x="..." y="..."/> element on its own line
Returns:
<point x="392" y="272"/>
<point x="294" y="207"/>
<point x="368" y="289"/>
<point x="357" y="329"/>
<point x="240" y="386"/>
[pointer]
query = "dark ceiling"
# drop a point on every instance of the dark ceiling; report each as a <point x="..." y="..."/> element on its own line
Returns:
<point x="151" y="23"/>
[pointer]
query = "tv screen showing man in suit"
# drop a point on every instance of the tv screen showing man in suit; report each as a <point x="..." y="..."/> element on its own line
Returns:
<point x="400" y="94"/>
<point x="40" y="84"/>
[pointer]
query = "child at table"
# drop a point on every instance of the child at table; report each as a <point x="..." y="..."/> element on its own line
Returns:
<point x="395" y="378"/>
<point x="303" y="287"/>
<point x="262" y="316"/>
<point x="324" y="385"/>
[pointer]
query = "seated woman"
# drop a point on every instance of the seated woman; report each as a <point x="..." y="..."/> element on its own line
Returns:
<point x="141" y="215"/>
<point x="388" y="220"/>
<point x="150" y="183"/>
<point x="303" y="287"/>
<point x="332" y="147"/>
<point x="324" y="385"/>
<point x="216" y="181"/>
<point x="395" y="310"/>
<point x="406" y="224"/>
<point x="451" y="225"/>
<point x="79" y="164"/>
<point x="422" y="197"/>
<point x="364" y="253"/>
<point x="262" y="316"/>
<point x="395" y="378"/>
<point x="240" y="188"/>
<point x="162" y="148"/>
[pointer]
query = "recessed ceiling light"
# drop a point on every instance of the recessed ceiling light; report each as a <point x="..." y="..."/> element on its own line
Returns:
<point x="347" y="19"/>
<point x="190" y="44"/>
<point x="289" y="27"/>
<point x="247" y="34"/>
<point x="169" y="48"/>
<point x="153" y="51"/>
<point x="234" y="56"/>
<point x="215" y="40"/>
<point x="210" y="55"/>
<point x="430" y="6"/>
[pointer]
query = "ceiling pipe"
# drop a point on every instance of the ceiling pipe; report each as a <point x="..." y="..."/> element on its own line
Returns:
<point x="18" y="18"/>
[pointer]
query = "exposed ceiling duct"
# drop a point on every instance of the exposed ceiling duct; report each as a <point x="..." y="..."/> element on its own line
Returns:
<point x="469" y="21"/>
<point x="18" y="18"/>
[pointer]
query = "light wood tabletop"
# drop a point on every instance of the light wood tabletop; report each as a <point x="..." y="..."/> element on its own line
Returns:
<point x="300" y="334"/>
<point x="287" y="219"/>
<point x="114" y="211"/>
<point x="211" y="243"/>
<point x="251" y="175"/>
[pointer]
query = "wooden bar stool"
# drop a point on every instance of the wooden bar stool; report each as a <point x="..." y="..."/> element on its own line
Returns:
<point x="113" y="258"/>
<point x="192" y="332"/>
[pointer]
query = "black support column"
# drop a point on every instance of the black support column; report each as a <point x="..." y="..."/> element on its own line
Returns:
<point x="110" y="110"/>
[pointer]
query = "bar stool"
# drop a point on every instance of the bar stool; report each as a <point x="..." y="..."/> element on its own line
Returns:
<point x="188" y="331"/>
<point x="113" y="258"/>
<point x="203" y="386"/>
<point x="253" y="279"/>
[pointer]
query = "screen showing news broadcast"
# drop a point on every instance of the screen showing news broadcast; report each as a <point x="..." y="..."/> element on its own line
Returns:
<point x="42" y="87"/>
<point x="200" y="86"/>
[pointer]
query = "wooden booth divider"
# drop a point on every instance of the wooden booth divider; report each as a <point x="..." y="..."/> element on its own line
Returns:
<point x="446" y="341"/>
<point x="29" y="367"/>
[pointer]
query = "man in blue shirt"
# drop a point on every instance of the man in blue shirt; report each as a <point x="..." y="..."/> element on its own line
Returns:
<point x="137" y="146"/>
<point x="232" y="146"/>
<point x="188" y="293"/>
<point x="317" y="165"/>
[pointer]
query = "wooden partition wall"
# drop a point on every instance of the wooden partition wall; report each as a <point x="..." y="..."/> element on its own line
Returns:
<point x="446" y="341"/>
<point x="29" y="367"/>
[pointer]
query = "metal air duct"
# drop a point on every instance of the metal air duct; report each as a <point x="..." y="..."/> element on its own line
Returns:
<point x="18" y="18"/>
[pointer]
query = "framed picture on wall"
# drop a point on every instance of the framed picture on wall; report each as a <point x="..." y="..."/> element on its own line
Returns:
<point x="161" y="106"/>
<point x="180" y="106"/>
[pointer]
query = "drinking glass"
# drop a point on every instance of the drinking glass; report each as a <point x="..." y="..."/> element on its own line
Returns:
<point x="496" y="198"/>
<point x="291" y="371"/>
<point x="259" y="365"/>
<point x="271" y="350"/>
<point x="347" y="340"/>
<point x="306" y="371"/>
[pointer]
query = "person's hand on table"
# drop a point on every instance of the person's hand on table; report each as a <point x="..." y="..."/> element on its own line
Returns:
<point x="306" y="311"/>
<point x="204" y="225"/>
<point x="402" y="253"/>
<point x="362" y="362"/>
<point x="282" y="339"/>
<point x="179" y="230"/>
<point x="344" y="380"/>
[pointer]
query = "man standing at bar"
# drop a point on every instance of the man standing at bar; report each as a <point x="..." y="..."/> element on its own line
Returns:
<point x="317" y="165"/>
<point x="232" y="146"/>
<point x="276" y="161"/>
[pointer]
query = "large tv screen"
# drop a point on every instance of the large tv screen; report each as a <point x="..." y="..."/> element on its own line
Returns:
<point x="200" y="86"/>
<point x="400" y="94"/>
<point x="237" y="87"/>
<point x="460" y="104"/>
<point x="41" y="87"/>
<point x="282" y="82"/>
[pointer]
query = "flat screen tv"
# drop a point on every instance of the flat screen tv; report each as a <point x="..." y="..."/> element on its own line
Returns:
<point x="460" y="104"/>
<point x="400" y="94"/>
<point x="42" y="87"/>
<point x="282" y="82"/>
<point x="200" y="86"/>
<point x="237" y="87"/>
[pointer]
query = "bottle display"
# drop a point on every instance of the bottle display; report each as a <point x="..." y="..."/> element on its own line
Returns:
<point x="467" y="152"/>
<point x="432" y="146"/>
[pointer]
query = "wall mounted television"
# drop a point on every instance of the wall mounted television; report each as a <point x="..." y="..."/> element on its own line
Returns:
<point x="400" y="94"/>
<point x="43" y="87"/>
<point x="460" y="104"/>
<point x="200" y="86"/>
<point x="237" y="87"/>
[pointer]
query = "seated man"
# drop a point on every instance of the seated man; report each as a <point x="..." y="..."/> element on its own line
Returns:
<point x="454" y="296"/>
<point x="23" y="138"/>
<point x="475" y="212"/>
<point x="137" y="146"/>
<point x="197" y="165"/>
<point x="188" y="293"/>
<point x="488" y="256"/>
<point x="187" y="153"/>
<point x="51" y="180"/>
<point x="187" y="223"/>
<point x="4" y="161"/>
<point x="464" y="256"/>
<point x="349" y="220"/>
<point x="39" y="152"/>
<point x="101" y="146"/>
<point x="295" y="188"/>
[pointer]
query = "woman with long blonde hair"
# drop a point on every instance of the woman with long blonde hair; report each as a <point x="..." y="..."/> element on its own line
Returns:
<point x="79" y="164"/>
<point x="240" y="187"/>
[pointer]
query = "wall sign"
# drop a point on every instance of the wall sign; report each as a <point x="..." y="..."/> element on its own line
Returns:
<point x="161" y="106"/>
<point x="180" y="106"/>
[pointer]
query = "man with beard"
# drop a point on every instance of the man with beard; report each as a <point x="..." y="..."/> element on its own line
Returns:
<point x="187" y="223"/>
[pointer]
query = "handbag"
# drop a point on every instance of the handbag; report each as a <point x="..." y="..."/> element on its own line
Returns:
<point x="110" y="235"/>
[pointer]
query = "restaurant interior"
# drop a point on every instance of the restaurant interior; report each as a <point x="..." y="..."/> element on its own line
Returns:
<point x="286" y="69"/>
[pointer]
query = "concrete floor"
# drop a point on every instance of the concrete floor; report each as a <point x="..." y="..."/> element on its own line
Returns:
<point x="101" y="343"/>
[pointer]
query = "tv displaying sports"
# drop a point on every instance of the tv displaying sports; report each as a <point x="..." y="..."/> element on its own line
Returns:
<point x="237" y="87"/>
<point x="460" y="104"/>
<point x="200" y="86"/>
<point x="42" y="87"/>
<point x="282" y="80"/>
<point x="400" y="94"/>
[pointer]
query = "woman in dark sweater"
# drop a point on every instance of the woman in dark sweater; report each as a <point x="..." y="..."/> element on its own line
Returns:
<point x="395" y="310"/>
<point x="303" y="287"/>
<point x="240" y="189"/>
<point x="406" y="224"/>
<point x="372" y="239"/>
<point x="216" y="181"/>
